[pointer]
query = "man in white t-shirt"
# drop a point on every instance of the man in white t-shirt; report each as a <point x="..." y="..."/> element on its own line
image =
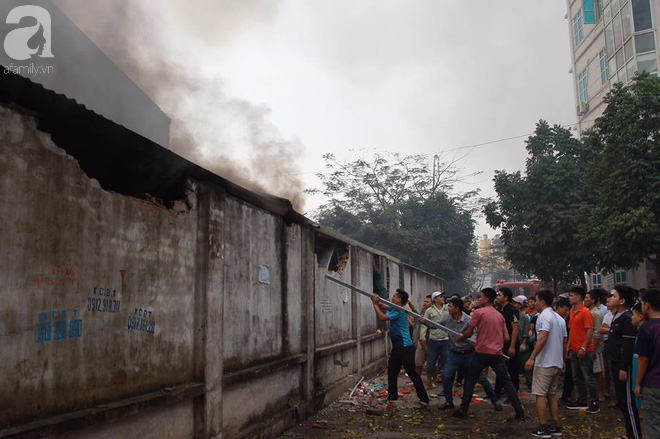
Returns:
<point x="547" y="361"/>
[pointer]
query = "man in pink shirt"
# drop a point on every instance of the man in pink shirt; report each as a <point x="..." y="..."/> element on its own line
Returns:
<point x="491" y="338"/>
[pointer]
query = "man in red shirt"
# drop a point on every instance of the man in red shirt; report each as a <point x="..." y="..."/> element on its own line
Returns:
<point x="491" y="337"/>
<point x="581" y="347"/>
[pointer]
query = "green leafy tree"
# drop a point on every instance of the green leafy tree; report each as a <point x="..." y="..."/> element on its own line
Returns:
<point x="625" y="179"/>
<point x="540" y="212"/>
<point x="399" y="204"/>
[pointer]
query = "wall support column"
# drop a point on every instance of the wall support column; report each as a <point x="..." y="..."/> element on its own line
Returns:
<point x="209" y="295"/>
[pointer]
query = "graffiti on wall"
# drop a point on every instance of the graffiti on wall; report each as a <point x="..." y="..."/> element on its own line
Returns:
<point x="54" y="326"/>
<point x="142" y="321"/>
<point x="58" y="275"/>
<point x="104" y="300"/>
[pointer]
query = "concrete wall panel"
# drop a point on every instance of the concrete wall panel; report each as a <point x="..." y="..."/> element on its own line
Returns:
<point x="373" y="351"/>
<point x="173" y="422"/>
<point x="96" y="287"/>
<point x="253" y="307"/>
<point x="294" y="293"/>
<point x="251" y="403"/>
<point x="336" y="366"/>
<point x="333" y="309"/>
<point x="394" y="277"/>
<point x="365" y="281"/>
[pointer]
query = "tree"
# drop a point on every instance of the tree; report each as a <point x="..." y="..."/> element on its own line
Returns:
<point x="398" y="204"/>
<point x="540" y="212"/>
<point x="625" y="179"/>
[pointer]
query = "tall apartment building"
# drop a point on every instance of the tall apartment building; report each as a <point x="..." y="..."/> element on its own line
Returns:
<point x="611" y="40"/>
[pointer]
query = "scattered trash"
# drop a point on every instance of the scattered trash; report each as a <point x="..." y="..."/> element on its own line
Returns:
<point x="355" y="387"/>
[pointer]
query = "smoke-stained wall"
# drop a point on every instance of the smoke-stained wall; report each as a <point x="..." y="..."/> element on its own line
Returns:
<point x="121" y="316"/>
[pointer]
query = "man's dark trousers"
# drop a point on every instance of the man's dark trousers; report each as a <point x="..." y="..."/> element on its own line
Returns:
<point x="625" y="399"/>
<point x="583" y="377"/>
<point x="460" y="361"/>
<point x="496" y="362"/>
<point x="403" y="357"/>
<point x="514" y="372"/>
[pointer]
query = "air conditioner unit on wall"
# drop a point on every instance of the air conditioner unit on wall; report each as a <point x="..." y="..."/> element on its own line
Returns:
<point x="583" y="108"/>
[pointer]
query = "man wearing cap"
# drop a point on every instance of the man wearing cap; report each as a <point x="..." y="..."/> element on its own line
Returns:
<point x="438" y="341"/>
<point x="520" y="303"/>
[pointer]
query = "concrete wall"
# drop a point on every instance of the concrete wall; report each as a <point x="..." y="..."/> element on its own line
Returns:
<point x="97" y="289"/>
<point x="122" y="318"/>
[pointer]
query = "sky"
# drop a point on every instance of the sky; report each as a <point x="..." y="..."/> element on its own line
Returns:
<point x="415" y="77"/>
<point x="347" y="77"/>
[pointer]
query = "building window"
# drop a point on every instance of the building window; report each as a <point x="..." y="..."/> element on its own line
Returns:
<point x="609" y="39"/>
<point x="582" y="87"/>
<point x="621" y="277"/>
<point x="597" y="280"/>
<point x="626" y="21"/>
<point x="603" y="67"/>
<point x="641" y="15"/>
<point x="589" y="12"/>
<point x="647" y="62"/>
<point x="618" y="32"/>
<point x="578" y="36"/>
<point x="645" y="42"/>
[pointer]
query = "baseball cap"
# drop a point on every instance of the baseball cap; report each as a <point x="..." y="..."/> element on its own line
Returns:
<point x="520" y="299"/>
<point x="436" y="294"/>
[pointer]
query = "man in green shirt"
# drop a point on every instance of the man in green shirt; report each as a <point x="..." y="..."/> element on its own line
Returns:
<point x="438" y="340"/>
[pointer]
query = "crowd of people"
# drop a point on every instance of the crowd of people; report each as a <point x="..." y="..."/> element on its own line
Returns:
<point x="606" y="345"/>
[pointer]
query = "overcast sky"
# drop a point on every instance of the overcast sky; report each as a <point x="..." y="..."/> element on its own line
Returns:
<point x="415" y="77"/>
<point x="407" y="76"/>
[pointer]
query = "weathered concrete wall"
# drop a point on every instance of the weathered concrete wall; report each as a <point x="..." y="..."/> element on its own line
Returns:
<point x="425" y="283"/>
<point x="174" y="422"/>
<point x="213" y="320"/>
<point x="96" y="287"/>
<point x="252" y="317"/>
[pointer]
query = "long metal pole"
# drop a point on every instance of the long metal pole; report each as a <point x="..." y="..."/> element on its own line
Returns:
<point x="392" y="305"/>
<point x="400" y="308"/>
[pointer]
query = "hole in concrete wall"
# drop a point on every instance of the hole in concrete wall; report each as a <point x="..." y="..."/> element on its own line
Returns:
<point x="331" y="255"/>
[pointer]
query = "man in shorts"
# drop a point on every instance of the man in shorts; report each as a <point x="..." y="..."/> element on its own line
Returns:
<point x="547" y="361"/>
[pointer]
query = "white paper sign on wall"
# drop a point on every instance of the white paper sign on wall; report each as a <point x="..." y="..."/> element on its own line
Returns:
<point x="264" y="275"/>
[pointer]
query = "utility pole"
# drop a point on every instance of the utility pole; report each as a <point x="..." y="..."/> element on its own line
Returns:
<point x="436" y="171"/>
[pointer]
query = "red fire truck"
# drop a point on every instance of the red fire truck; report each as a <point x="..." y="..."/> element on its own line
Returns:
<point x="525" y="288"/>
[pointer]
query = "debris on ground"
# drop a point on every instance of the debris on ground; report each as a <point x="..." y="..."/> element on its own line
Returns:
<point x="364" y="412"/>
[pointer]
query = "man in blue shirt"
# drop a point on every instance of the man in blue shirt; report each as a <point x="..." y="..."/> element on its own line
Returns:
<point x="403" y="351"/>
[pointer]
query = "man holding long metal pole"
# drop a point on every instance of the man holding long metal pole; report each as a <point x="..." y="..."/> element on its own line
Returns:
<point x="403" y="351"/>
<point x="491" y="338"/>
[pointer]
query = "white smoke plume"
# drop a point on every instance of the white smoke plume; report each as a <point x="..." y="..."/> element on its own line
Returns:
<point x="161" y="46"/>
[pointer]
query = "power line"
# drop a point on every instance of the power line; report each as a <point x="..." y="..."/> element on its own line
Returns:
<point x="477" y="145"/>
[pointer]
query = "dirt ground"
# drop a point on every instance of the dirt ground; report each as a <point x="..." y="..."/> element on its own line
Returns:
<point x="366" y="415"/>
